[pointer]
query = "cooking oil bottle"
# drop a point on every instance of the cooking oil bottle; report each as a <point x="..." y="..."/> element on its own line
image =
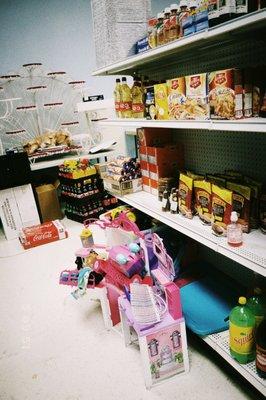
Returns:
<point x="137" y="98"/>
<point x="125" y="99"/>
<point x="117" y="97"/>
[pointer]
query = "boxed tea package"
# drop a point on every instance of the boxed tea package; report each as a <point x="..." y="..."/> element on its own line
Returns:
<point x="185" y="192"/>
<point x="222" y="202"/>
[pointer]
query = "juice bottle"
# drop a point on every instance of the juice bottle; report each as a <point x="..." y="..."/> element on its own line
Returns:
<point x="137" y="99"/>
<point x="241" y="332"/>
<point x="117" y="97"/>
<point x="174" y="28"/>
<point x="257" y="304"/>
<point x="166" y="24"/>
<point x="126" y="99"/>
<point x="159" y="29"/>
<point x="213" y="12"/>
<point x="234" y="231"/>
<point x="261" y="350"/>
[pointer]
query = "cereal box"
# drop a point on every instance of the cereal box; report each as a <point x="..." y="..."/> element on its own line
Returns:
<point x="161" y="101"/>
<point x="221" y="94"/>
<point x="196" y="97"/>
<point x="222" y="201"/>
<point x="176" y="97"/>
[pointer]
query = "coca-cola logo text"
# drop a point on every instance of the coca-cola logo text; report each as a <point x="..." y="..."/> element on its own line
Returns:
<point x="42" y="236"/>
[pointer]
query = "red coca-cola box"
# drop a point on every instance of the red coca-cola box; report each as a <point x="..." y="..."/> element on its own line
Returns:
<point x="47" y="232"/>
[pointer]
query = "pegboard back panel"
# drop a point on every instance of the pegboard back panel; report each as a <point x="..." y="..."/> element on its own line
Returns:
<point x="214" y="152"/>
<point x="234" y="53"/>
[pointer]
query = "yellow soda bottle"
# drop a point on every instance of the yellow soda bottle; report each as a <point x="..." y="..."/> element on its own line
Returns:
<point x="241" y="332"/>
<point x="137" y="99"/>
<point x="117" y="97"/>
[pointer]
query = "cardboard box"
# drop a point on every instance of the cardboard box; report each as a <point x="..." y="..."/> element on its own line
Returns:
<point x="48" y="202"/>
<point x="41" y="234"/>
<point x="154" y="187"/>
<point x="101" y="169"/>
<point x="162" y="170"/>
<point x="122" y="188"/>
<point x="154" y="136"/>
<point x="17" y="210"/>
<point x="144" y="168"/>
<point x="146" y="184"/>
<point x="143" y="153"/>
<point x="167" y="154"/>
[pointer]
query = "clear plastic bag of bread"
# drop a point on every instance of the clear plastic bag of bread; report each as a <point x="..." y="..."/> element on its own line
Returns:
<point x="47" y="140"/>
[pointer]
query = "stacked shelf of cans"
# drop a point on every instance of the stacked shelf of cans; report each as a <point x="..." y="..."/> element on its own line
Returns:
<point x="82" y="190"/>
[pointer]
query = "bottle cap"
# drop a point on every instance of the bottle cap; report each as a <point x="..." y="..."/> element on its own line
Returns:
<point x="183" y="3"/>
<point x="242" y="300"/>
<point x="193" y="4"/>
<point x="124" y="79"/>
<point x="174" y="7"/>
<point x="167" y="10"/>
<point x="117" y="80"/>
<point x="160" y="15"/>
<point x="234" y="216"/>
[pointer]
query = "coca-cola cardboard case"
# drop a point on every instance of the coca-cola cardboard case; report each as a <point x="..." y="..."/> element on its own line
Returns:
<point x="44" y="233"/>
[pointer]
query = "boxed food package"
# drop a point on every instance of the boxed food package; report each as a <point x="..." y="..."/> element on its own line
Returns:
<point x="101" y="169"/>
<point x="161" y="101"/>
<point x="116" y="28"/>
<point x="196" y="105"/>
<point x="222" y="94"/>
<point x="154" y="136"/>
<point x="162" y="170"/>
<point x="176" y="97"/>
<point x="146" y="184"/>
<point x="203" y="200"/>
<point x="217" y="180"/>
<point x="47" y="232"/>
<point x="144" y="168"/>
<point x="241" y="203"/>
<point x="185" y="192"/>
<point x="17" y="210"/>
<point x="222" y="206"/>
<point x="256" y="188"/>
<point x="122" y="188"/>
<point x="143" y="155"/>
<point x="168" y="154"/>
<point x="48" y="201"/>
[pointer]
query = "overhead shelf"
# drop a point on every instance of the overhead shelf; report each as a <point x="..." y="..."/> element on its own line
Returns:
<point x="37" y="165"/>
<point x="219" y="342"/>
<point x="245" y="125"/>
<point x="252" y="254"/>
<point x="168" y="52"/>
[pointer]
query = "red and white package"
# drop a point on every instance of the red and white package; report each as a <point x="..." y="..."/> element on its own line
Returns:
<point x="47" y="232"/>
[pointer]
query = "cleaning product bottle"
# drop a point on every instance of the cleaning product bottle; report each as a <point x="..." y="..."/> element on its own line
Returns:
<point x="234" y="231"/>
<point x="117" y="97"/>
<point x="174" y="28"/>
<point x="257" y="306"/>
<point x="241" y="332"/>
<point x="126" y="99"/>
<point x="261" y="350"/>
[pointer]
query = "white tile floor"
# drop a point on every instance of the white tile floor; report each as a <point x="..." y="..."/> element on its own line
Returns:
<point x="53" y="347"/>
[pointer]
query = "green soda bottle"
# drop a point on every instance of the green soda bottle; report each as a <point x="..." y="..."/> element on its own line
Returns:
<point x="257" y="305"/>
<point x="241" y="332"/>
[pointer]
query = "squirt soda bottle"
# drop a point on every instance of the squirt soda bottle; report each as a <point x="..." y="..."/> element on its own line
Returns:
<point x="241" y="332"/>
<point x="125" y="99"/>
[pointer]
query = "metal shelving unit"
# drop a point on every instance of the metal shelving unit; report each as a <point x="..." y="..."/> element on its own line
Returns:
<point x="209" y="145"/>
<point x="245" y="125"/>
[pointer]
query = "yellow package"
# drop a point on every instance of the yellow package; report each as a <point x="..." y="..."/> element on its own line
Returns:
<point x="222" y="206"/>
<point x="176" y="97"/>
<point x="185" y="191"/>
<point x="161" y="101"/>
<point x="203" y="203"/>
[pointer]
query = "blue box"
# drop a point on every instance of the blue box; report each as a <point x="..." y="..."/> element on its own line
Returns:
<point x="201" y="16"/>
<point x="188" y="22"/>
<point x="190" y="30"/>
<point x="142" y="45"/>
<point x="202" y="26"/>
